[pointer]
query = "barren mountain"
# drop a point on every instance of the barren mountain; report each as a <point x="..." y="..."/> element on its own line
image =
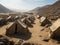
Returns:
<point x="39" y="9"/>
<point x="53" y="9"/>
<point x="3" y="9"/>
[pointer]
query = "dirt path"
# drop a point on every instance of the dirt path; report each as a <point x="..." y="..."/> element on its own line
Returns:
<point x="2" y="30"/>
<point x="35" y="31"/>
<point x="38" y="35"/>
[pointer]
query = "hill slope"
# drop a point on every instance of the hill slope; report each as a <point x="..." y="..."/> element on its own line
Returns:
<point x="49" y="10"/>
<point x="3" y="9"/>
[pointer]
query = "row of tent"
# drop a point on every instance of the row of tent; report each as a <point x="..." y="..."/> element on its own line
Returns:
<point x="45" y="21"/>
<point x="19" y="26"/>
<point x="4" y="21"/>
<point x="29" y="20"/>
<point x="54" y="28"/>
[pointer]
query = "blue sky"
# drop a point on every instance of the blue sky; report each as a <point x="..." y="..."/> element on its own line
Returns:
<point x="25" y="4"/>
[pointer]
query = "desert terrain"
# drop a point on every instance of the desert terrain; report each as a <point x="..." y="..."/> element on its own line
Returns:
<point x="37" y="36"/>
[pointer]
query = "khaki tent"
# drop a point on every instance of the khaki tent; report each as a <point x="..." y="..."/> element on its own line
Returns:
<point x="10" y="29"/>
<point x="21" y="27"/>
<point x="16" y="17"/>
<point x="32" y="19"/>
<point x="11" y="18"/>
<point x="44" y="21"/>
<point x="27" y="22"/>
<point x="2" y="21"/>
<point x="17" y="28"/>
<point x="55" y="29"/>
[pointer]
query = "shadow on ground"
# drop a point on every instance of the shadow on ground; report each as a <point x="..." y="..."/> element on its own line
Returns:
<point x="24" y="37"/>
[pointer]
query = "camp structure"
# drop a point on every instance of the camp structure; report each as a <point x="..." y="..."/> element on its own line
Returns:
<point x="32" y="19"/>
<point x="21" y="27"/>
<point x="44" y="21"/>
<point x="2" y="21"/>
<point x="16" y="17"/>
<point x="10" y="29"/>
<point x="27" y="22"/>
<point x="38" y="16"/>
<point x="10" y="18"/>
<point x="55" y="29"/>
<point x="16" y="27"/>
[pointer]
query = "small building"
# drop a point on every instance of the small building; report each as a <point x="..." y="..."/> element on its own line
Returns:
<point x="44" y="21"/>
<point x="55" y="29"/>
<point x="16" y="27"/>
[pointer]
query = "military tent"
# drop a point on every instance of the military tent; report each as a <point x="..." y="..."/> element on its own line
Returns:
<point x="44" y="21"/>
<point x="2" y="21"/>
<point x="16" y="17"/>
<point x="55" y="29"/>
<point x="32" y="19"/>
<point x="21" y="27"/>
<point x="8" y="18"/>
<point x="10" y="29"/>
<point x="27" y="22"/>
<point x="17" y="28"/>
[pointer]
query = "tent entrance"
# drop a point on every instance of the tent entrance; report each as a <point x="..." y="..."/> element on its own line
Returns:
<point x="16" y="29"/>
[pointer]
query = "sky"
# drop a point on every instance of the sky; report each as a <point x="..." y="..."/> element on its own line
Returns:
<point x="25" y="4"/>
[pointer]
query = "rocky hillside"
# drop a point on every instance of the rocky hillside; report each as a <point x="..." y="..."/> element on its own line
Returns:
<point x="49" y="9"/>
<point x="3" y="9"/>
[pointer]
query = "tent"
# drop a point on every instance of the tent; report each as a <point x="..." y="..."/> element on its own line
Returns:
<point x="2" y="21"/>
<point x="32" y="19"/>
<point x="8" y="18"/>
<point x="12" y="18"/>
<point x="10" y="29"/>
<point x="16" y="18"/>
<point x="44" y="21"/>
<point x="16" y="27"/>
<point x="55" y="29"/>
<point x="21" y="27"/>
<point x="27" y="22"/>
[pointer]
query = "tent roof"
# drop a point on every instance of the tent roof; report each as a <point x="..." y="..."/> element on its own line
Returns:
<point x="21" y="23"/>
<point x="9" y="17"/>
<point x="42" y="19"/>
<point x="55" y="25"/>
<point x="10" y="24"/>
